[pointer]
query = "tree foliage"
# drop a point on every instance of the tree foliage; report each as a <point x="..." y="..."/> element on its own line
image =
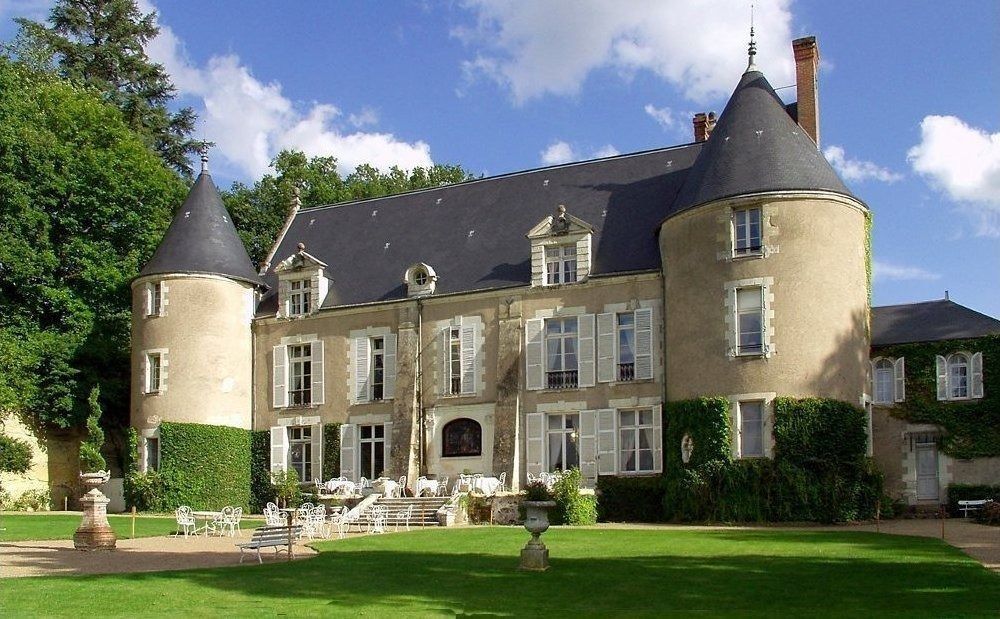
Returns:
<point x="15" y="455"/>
<point x="83" y="203"/>
<point x="260" y="211"/>
<point x="101" y="44"/>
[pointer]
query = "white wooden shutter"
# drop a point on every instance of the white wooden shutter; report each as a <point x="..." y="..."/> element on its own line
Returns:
<point x="147" y="305"/>
<point x="144" y="372"/>
<point x="317" y="452"/>
<point x="279" y="449"/>
<point x="643" y="344"/>
<point x="607" y="442"/>
<point x="871" y="379"/>
<point x="348" y="450"/>
<point x="977" y="375"/>
<point x="588" y="448"/>
<point x="318" y="391"/>
<point x="586" y="349"/>
<point x="389" y="382"/>
<point x="942" y="377"/>
<point x="535" y="443"/>
<point x="446" y="361"/>
<point x="469" y="342"/>
<point x="899" y="374"/>
<point x="606" y="347"/>
<point x="658" y="438"/>
<point x="387" y="458"/>
<point x="280" y="376"/>
<point x="534" y="354"/>
<point x="362" y="367"/>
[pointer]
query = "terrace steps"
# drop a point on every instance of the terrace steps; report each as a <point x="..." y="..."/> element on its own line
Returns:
<point x="424" y="508"/>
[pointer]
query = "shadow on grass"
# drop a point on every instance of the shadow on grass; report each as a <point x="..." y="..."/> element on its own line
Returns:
<point x="593" y="571"/>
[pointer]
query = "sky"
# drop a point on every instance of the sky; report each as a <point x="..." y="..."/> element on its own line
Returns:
<point x="909" y="97"/>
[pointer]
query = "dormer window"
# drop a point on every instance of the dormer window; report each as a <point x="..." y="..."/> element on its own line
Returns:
<point x="560" y="264"/>
<point x="560" y="249"/>
<point x="299" y="297"/>
<point x="420" y="280"/>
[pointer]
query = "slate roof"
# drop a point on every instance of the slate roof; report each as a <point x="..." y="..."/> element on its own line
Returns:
<point x="202" y="239"/>
<point x="473" y="233"/>
<point x="929" y="321"/>
<point x="756" y="147"/>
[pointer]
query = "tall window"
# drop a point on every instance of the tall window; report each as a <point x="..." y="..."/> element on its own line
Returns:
<point x="298" y="297"/>
<point x="152" y="461"/>
<point x="560" y="264"/>
<point x="455" y="359"/>
<point x="751" y="429"/>
<point x="378" y="368"/>
<point x="561" y="363"/>
<point x="300" y="451"/>
<point x="750" y="321"/>
<point x="746" y="232"/>
<point x="155" y="299"/>
<point x="636" y="439"/>
<point x="462" y="437"/>
<point x="563" y="434"/>
<point x="958" y="376"/>
<point x="372" y="451"/>
<point x="154" y="369"/>
<point x="626" y="346"/>
<point x="300" y="366"/>
<point x="884" y="380"/>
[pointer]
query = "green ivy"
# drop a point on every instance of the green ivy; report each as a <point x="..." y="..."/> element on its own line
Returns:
<point x="204" y="466"/>
<point x="706" y="420"/>
<point x="869" y="222"/>
<point x="972" y="427"/>
<point x="331" y="451"/>
<point x="261" y="490"/>
<point x="572" y="507"/>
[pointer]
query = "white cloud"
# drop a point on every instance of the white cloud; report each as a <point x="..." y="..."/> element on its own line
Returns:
<point x="562" y="152"/>
<point x="886" y="271"/>
<point x="663" y="116"/>
<point x="551" y="47"/>
<point x="250" y="121"/>
<point x="856" y="169"/>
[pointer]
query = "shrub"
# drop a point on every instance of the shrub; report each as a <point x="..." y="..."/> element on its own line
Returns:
<point x="91" y="459"/>
<point x="989" y="514"/>
<point x="261" y="490"/>
<point x="15" y="455"/>
<point x="204" y="466"/>
<point x="572" y="507"/>
<point x="331" y="451"/>
<point x="537" y="491"/>
<point x="31" y="501"/>
<point x="145" y="491"/>
<point x="630" y="499"/>
<point x="969" y="492"/>
<point x="286" y="488"/>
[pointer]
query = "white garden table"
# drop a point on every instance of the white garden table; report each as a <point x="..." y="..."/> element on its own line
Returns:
<point x="340" y="486"/>
<point x="485" y="485"/>
<point x="385" y="487"/>
<point x="208" y="516"/>
<point x="430" y="485"/>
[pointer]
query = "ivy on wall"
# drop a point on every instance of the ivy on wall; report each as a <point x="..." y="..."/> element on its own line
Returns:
<point x="261" y="489"/>
<point x="972" y="427"/>
<point x="331" y="451"/>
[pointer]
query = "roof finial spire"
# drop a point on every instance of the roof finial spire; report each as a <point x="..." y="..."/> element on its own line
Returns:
<point x="752" y="48"/>
<point x="204" y="158"/>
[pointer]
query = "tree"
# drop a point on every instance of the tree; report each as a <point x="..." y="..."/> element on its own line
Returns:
<point x="100" y="43"/>
<point x="259" y="211"/>
<point x="83" y="204"/>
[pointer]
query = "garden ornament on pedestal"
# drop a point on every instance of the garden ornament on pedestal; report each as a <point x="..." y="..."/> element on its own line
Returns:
<point x="534" y="555"/>
<point x="94" y="532"/>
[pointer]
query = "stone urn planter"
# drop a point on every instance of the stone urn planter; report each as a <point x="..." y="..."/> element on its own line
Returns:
<point x="534" y="555"/>
<point x="94" y="532"/>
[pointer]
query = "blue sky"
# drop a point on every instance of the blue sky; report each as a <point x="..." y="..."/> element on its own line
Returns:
<point x="909" y="96"/>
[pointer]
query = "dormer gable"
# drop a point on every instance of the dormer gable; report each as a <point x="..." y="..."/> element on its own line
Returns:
<point x="302" y="284"/>
<point x="560" y="249"/>
<point x="420" y="280"/>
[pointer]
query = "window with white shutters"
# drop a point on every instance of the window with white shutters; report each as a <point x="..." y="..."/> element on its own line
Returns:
<point x="300" y="375"/>
<point x="373" y="359"/>
<point x="637" y="429"/>
<point x="960" y="376"/>
<point x="883" y="381"/>
<point x="372" y="445"/>
<point x="561" y="353"/>
<point x="461" y="344"/>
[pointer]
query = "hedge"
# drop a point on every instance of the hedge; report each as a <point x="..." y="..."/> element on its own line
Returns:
<point x="331" y="451"/>
<point x="972" y="427"/>
<point x="969" y="492"/>
<point x="261" y="490"/>
<point x="630" y="499"/>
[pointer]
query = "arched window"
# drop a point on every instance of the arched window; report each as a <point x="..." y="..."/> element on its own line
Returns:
<point x="958" y="376"/>
<point x="883" y="379"/>
<point x="462" y="437"/>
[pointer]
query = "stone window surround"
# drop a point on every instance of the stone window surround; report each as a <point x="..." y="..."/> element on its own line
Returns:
<point x="908" y="457"/>
<point x="439" y="416"/>
<point x="767" y="397"/>
<point x="414" y="289"/>
<point x="292" y="340"/>
<point x="732" y="326"/>
<point x="579" y="232"/>
<point x="726" y="235"/>
<point x="148" y="303"/>
<point x="164" y="354"/>
<point x="144" y="435"/>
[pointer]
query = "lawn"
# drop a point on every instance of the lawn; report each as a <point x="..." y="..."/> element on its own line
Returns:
<point x="19" y="527"/>
<point x="595" y="571"/>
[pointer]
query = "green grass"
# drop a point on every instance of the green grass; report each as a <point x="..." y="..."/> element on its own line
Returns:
<point x="19" y="527"/>
<point x="594" y="572"/>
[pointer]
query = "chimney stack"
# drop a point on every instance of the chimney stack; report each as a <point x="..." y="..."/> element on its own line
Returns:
<point x="806" y="85"/>
<point x="703" y="125"/>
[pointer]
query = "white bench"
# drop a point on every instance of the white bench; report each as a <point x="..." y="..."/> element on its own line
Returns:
<point x="271" y="537"/>
<point x="972" y="505"/>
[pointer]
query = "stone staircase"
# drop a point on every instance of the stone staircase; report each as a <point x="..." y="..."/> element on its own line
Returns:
<point x="424" y="508"/>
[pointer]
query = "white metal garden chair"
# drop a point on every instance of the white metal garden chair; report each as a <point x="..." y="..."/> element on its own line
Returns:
<point x="402" y="487"/>
<point x="272" y="516"/>
<point x="442" y="489"/>
<point x="402" y="517"/>
<point x="353" y="516"/>
<point x="232" y="520"/>
<point x="185" y="520"/>
<point x="376" y="518"/>
<point x="503" y="482"/>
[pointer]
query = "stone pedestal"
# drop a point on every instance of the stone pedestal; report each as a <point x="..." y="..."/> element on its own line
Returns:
<point x="535" y="556"/>
<point x="94" y="532"/>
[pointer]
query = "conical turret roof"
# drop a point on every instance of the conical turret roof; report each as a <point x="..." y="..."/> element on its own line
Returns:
<point x="202" y="239"/>
<point x="755" y="147"/>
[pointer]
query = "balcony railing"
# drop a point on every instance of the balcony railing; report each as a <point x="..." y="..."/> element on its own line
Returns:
<point x="626" y="371"/>
<point x="568" y="379"/>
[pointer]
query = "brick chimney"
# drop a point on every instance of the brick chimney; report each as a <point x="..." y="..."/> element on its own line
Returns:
<point x="703" y="125"/>
<point x="806" y="84"/>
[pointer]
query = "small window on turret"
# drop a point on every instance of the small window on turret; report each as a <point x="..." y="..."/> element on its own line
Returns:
<point x="747" y="232"/>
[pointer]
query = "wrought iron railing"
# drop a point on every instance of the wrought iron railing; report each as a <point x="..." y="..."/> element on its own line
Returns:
<point x="567" y="379"/>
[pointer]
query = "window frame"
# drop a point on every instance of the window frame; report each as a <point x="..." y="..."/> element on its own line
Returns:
<point x="455" y="425"/>
<point x="762" y="425"/>
<point x="637" y="428"/>
<point x="567" y="436"/>
<point x="303" y="395"/>
<point x="376" y="369"/>
<point x="375" y="441"/>
<point x="300" y="436"/>
<point x="566" y="264"/>
<point x="154" y="372"/>
<point x="750" y="250"/>
<point x="563" y="378"/>
<point x="151" y="454"/>
<point x="299" y="297"/>
<point x="967" y="365"/>
<point x="154" y="300"/>
<point x="760" y="349"/>
<point x="624" y="374"/>
<point x="455" y="360"/>
<point x="891" y="382"/>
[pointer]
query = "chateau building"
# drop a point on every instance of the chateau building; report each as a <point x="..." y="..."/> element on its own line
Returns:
<point x="532" y="321"/>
